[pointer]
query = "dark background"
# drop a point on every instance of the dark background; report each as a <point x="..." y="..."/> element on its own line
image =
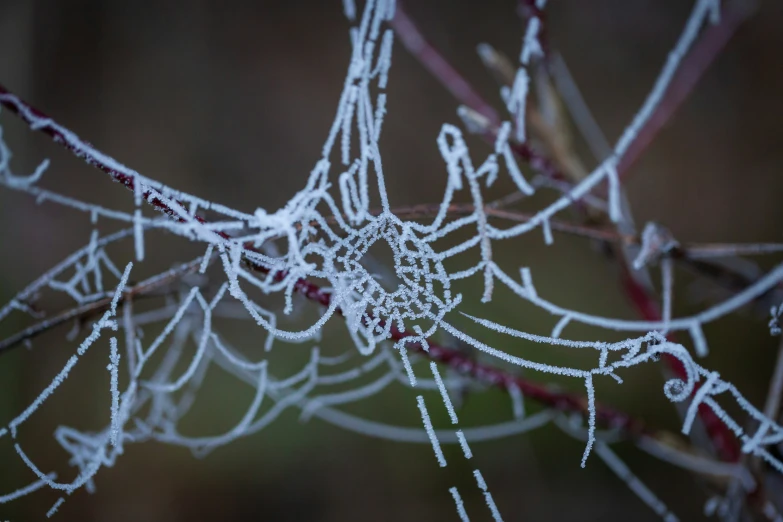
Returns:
<point x="232" y="101"/>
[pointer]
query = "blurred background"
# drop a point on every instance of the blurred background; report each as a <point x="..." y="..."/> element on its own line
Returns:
<point x="232" y="101"/>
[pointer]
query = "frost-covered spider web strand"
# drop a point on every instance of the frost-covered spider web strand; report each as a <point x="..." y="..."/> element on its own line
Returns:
<point x="636" y="351"/>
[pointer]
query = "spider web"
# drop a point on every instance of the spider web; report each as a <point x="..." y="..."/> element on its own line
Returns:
<point x="317" y="246"/>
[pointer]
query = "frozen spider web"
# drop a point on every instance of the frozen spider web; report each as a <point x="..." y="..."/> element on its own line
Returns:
<point x="317" y="246"/>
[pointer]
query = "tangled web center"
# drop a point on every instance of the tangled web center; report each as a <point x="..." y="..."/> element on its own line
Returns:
<point x="423" y="287"/>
